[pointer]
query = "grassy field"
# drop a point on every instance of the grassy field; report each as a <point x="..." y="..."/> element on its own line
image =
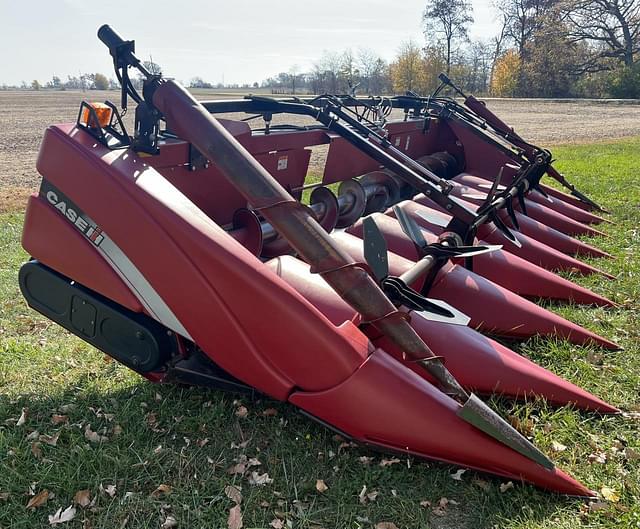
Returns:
<point x="135" y="455"/>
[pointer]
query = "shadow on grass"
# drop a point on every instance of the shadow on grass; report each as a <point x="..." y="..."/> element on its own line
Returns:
<point x="188" y="438"/>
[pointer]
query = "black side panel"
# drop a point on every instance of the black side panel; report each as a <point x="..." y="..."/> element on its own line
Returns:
<point x="133" y="339"/>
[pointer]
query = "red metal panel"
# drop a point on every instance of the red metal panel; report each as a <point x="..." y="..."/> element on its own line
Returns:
<point x="386" y="404"/>
<point x="344" y="161"/>
<point x="239" y="312"/>
<point x="214" y="195"/>
<point x="50" y="238"/>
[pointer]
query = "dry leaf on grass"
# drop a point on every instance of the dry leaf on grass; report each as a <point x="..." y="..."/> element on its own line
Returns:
<point x="92" y="436"/>
<point x="4" y="496"/>
<point x="610" y="494"/>
<point x="270" y="412"/>
<point x="38" y="500"/>
<point x="23" y="417"/>
<point x="321" y="486"/>
<point x="457" y="475"/>
<point x="276" y="523"/>
<point x="504" y="487"/>
<point x="365" y="460"/>
<point x="598" y="457"/>
<point x="33" y="436"/>
<point x="235" y="518"/>
<point x="36" y="450"/>
<point x="557" y="447"/>
<point x="59" y="419"/>
<point x="82" y="497"/>
<point x="51" y="440"/>
<point x="238" y="468"/>
<point x="242" y="411"/>
<point x="425" y="503"/>
<point x="259" y="479"/>
<point x="483" y="484"/>
<point x="595" y="506"/>
<point x="62" y="516"/>
<point x="161" y="490"/>
<point x="169" y="523"/>
<point x="365" y="496"/>
<point x="389" y="462"/>
<point x="631" y="454"/>
<point x="110" y="490"/>
<point x="386" y="525"/>
<point x="233" y="493"/>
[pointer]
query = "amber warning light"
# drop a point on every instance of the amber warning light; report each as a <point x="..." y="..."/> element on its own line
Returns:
<point x="102" y="113"/>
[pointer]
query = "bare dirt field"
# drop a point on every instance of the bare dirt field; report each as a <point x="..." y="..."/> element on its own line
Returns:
<point x="25" y="115"/>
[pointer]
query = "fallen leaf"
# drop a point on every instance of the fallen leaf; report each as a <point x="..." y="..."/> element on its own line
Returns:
<point x="631" y="454"/>
<point x="4" y="496"/>
<point x="169" y="523"/>
<point x="235" y="518"/>
<point x="524" y="426"/>
<point x="38" y="500"/>
<point x="233" y="493"/>
<point x="386" y="525"/>
<point x="259" y="479"/>
<point x="365" y="460"/>
<point x="371" y="496"/>
<point x="110" y="490"/>
<point x="610" y="494"/>
<point x="504" y="487"/>
<point x="598" y="457"/>
<point x="92" y="436"/>
<point x="63" y="516"/>
<point x="33" y="435"/>
<point x="425" y="503"/>
<point x="458" y="474"/>
<point x="161" y="490"/>
<point x="51" y="440"/>
<point x="595" y="506"/>
<point x="59" y="419"/>
<point x="389" y="462"/>
<point x="82" y="497"/>
<point x="363" y="495"/>
<point x="203" y="442"/>
<point x="117" y="429"/>
<point x="483" y="484"/>
<point x="238" y="468"/>
<point x="557" y="447"/>
<point x="242" y="412"/>
<point x="23" y="417"/>
<point x="36" y="450"/>
<point x="66" y="408"/>
<point x="277" y="523"/>
<point x="253" y="462"/>
<point x="270" y="412"/>
<point x="321" y="486"/>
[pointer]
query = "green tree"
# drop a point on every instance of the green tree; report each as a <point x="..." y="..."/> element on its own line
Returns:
<point x="100" y="82"/>
<point x="447" y="21"/>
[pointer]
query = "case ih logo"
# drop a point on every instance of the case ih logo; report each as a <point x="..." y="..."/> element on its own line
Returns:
<point x="72" y="213"/>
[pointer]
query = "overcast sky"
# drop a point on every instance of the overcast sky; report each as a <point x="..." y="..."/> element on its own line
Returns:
<point x="234" y="41"/>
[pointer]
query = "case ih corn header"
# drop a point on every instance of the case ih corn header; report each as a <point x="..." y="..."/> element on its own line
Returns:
<point x="185" y="252"/>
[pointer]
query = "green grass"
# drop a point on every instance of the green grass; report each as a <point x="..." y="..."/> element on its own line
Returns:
<point x="156" y="434"/>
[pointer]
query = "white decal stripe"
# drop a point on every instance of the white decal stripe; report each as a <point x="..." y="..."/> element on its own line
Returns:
<point x="143" y="290"/>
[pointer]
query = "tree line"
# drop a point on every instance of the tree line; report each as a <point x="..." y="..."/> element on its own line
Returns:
<point x="544" y="48"/>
